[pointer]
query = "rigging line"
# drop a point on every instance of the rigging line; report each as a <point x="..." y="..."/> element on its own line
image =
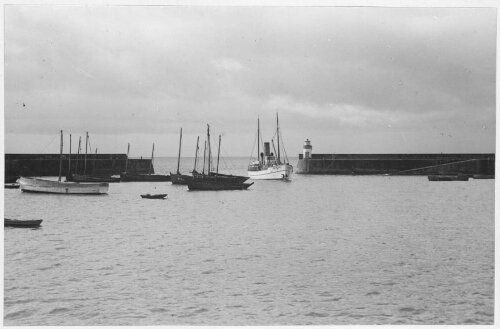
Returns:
<point x="253" y="149"/>
<point x="58" y="135"/>
<point x="439" y="165"/>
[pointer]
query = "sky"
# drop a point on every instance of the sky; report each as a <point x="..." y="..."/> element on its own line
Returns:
<point x="365" y="79"/>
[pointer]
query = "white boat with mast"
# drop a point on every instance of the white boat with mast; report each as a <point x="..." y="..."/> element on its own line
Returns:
<point x="38" y="185"/>
<point x="268" y="166"/>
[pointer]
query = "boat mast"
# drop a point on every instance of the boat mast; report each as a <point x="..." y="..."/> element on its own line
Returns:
<point x="258" y="139"/>
<point x="196" y="154"/>
<point x="179" y="157"/>
<point x="126" y="161"/>
<point x="209" y="149"/>
<point x="278" y="133"/>
<point x="86" y="143"/>
<point x="95" y="158"/>
<point x="78" y="156"/>
<point x="218" y="154"/>
<point x="69" y="157"/>
<point x="204" y="153"/>
<point x="60" y="157"/>
<point x="152" y="159"/>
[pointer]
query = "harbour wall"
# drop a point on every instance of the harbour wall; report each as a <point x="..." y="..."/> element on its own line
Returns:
<point x="48" y="164"/>
<point x="396" y="164"/>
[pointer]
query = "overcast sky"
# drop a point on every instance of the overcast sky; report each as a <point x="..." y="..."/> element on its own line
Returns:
<point x="350" y="79"/>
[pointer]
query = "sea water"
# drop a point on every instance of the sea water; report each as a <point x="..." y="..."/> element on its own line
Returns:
<point x="314" y="251"/>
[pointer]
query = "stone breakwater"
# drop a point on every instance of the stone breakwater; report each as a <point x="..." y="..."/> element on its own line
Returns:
<point x="48" y="164"/>
<point x="396" y="164"/>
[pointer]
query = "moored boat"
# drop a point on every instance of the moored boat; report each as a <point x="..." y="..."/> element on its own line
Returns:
<point x="92" y="178"/>
<point x="269" y="166"/>
<point x="149" y="177"/>
<point x="22" y="223"/>
<point x="38" y="185"/>
<point x="214" y="180"/>
<point x="11" y="185"/>
<point x="216" y="185"/>
<point x="178" y="178"/>
<point x="153" y="196"/>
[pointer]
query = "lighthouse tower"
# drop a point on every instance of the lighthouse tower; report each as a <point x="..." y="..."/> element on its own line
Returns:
<point x="307" y="149"/>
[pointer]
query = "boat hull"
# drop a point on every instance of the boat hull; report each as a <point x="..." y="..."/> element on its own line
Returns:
<point x="275" y="172"/>
<point x="153" y="196"/>
<point x="36" y="185"/>
<point x="211" y="185"/>
<point x="126" y="177"/>
<point x="220" y="177"/>
<point x="92" y="179"/>
<point x="21" y="223"/>
<point x="179" y="179"/>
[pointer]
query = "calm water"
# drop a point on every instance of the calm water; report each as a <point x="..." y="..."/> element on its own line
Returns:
<point x="318" y="250"/>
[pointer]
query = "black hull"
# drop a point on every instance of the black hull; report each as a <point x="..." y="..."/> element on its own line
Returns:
<point x="154" y="196"/>
<point x="11" y="185"/>
<point x="22" y="223"/>
<point x="179" y="179"/>
<point x="209" y="185"/>
<point x="144" y="178"/>
<point x="221" y="177"/>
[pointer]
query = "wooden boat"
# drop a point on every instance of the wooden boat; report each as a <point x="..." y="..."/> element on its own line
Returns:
<point x="11" y="185"/>
<point x="213" y="181"/>
<point x="92" y="178"/>
<point x="178" y="178"/>
<point x="215" y="185"/>
<point x="131" y="177"/>
<point x="22" y="223"/>
<point x="38" y="185"/>
<point x="268" y="166"/>
<point x="448" y="177"/>
<point x="153" y="196"/>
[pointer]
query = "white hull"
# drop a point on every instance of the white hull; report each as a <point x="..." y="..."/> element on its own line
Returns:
<point x="37" y="185"/>
<point x="276" y="172"/>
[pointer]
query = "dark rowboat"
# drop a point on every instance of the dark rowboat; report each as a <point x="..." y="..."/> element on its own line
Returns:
<point x="22" y="223"/>
<point x="11" y="185"/>
<point x="153" y="196"/>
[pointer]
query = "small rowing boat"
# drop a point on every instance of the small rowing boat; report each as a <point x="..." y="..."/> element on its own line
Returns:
<point x="153" y="196"/>
<point x="22" y="223"/>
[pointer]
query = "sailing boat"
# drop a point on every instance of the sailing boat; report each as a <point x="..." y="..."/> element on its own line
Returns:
<point x="94" y="178"/>
<point x="178" y="178"/>
<point x="215" y="181"/>
<point x="37" y="185"/>
<point x="269" y="166"/>
<point x="129" y="177"/>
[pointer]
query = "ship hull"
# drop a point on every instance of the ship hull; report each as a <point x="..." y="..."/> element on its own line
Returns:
<point x="276" y="172"/>
<point x="36" y="185"/>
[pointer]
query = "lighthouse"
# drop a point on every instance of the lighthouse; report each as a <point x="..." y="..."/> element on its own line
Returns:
<point x="307" y="149"/>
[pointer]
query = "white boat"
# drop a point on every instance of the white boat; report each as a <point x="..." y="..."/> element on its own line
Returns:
<point x="38" y="185"/>
<point x="268" y="165"/>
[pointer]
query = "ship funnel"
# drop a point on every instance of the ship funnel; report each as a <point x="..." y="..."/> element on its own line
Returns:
<point x="267" y="149"/>
<point x="307" y="149"/>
